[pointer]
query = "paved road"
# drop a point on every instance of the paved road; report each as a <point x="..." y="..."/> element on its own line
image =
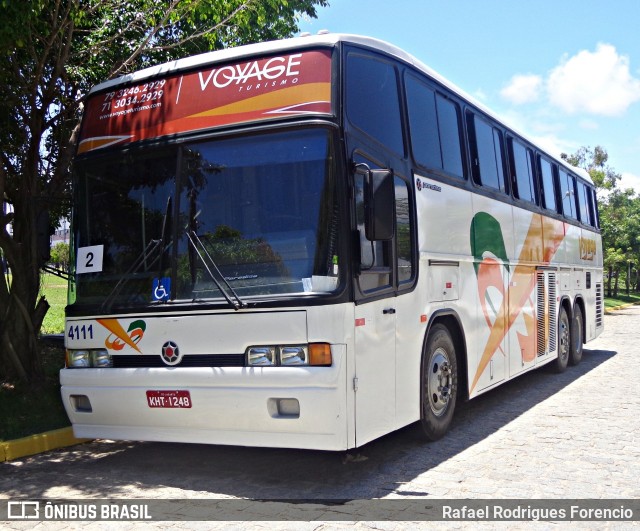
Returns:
<point x="574" y="435"/>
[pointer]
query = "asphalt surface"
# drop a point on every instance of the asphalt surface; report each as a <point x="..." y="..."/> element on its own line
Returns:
<point x="573" y="435"/>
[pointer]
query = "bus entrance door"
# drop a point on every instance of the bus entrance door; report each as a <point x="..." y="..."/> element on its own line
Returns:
<point x="374" y="385"/>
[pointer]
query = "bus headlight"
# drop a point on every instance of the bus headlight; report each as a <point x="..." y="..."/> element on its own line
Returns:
<point x="87" y="358"/>
<point x="296" y="355"/>
<point x="100" y="358"/>
<point x="261" y="356"/>
<point x="78" y="359"/>
<point x="316" y="354"/>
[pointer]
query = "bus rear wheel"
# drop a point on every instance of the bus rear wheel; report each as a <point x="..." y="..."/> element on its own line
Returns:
<point x="564" y="343"/>
<point x="439" y="383"/>
<point x="575" y="353"/>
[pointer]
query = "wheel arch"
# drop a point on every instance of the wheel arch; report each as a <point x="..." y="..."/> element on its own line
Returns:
<point x="565" y="302"/>
<point x="451" y="320"/>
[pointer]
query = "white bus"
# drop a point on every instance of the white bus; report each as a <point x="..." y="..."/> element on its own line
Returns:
<point x="311" y="243"/>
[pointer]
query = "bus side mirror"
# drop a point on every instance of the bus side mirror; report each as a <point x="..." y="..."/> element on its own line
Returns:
<point x="379" y="205"/>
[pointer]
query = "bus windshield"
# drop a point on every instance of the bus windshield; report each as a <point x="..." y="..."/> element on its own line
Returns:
<point x="230" y="218"/>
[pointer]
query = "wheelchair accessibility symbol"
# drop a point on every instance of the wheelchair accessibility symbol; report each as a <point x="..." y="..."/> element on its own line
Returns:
<point x="161" y="289"/>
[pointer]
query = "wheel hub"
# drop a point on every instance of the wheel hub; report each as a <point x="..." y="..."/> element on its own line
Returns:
<point x="564" y="341"/>
<point x="439" y="382"/>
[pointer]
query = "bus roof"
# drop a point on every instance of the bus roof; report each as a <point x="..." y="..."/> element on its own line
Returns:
<point x="310" y="41"/>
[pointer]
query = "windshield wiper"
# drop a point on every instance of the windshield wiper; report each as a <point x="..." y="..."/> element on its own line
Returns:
<point x="236" y="303"/>
<point x="164" y="235"/>
<point x="140" y="260"/>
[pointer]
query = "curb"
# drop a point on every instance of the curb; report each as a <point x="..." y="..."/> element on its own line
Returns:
<point x="622" y="307"/>
<point x="35" y="444"/>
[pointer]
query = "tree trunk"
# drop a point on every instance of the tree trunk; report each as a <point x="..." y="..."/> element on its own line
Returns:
<point x="22" y="309"/>
<point x="19" y="353"/>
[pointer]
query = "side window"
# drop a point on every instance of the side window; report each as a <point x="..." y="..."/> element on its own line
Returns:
<point x="522" y="171"/>
<point x="373" y="103"/>
<point x="404" y="232"/>
<point x="594" y="208"/>
<point x="434" y="122"/>
<point x="486" y="153"/>
<point x="449" y="127"/>
<point x="547" y="171"/>
<point x="568" y="195"/>
<point x="586" y="213"/>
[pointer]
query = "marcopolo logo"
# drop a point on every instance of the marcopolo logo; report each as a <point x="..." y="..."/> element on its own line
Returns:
<point x="171" y="353"/>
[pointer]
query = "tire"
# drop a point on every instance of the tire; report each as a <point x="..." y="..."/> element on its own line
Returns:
<point x="564" y="343"/>
<point x="439" y="383"/>
<point x="577" y="334"/>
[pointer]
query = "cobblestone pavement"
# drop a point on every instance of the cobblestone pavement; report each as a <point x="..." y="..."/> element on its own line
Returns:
<point x="573" y="435"/>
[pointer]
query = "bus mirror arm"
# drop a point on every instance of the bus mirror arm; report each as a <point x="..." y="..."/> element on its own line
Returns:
<point x="357" y="254"/>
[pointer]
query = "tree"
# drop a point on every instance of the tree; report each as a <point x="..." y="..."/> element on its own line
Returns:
<point x="620" y="222"/>
<point x="619" y="212"/>
<point x="595" y="162"/>
<point x="52" y="52"/>
<point x="60" y="254"/>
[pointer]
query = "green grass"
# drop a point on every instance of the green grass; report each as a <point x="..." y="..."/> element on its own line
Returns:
<point x="55" y="290"/>
<point x="30" y="409"/>
<point x="621" y="300"/>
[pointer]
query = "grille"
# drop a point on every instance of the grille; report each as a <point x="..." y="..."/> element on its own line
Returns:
<point x="553" y="312"/>
<point x="541" y="315"/>
<point x="546" y="312"/>
<point x="599" y="305"/>
<point x="127" y="361"/>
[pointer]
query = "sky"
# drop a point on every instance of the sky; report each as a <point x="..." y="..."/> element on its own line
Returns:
<point x="566" y="73"/>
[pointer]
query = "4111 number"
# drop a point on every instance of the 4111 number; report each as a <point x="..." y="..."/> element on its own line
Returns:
<point x="80" y="332"/>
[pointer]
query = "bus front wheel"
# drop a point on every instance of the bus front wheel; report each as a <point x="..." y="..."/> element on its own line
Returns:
<point x="439" y="383"/>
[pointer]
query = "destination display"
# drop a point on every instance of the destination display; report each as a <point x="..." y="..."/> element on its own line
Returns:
<point x="294" y="84"/>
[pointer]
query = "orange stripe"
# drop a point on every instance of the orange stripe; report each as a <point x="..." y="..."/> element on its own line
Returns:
<point x="101" y="141"/>
<point x="306" y="93"/>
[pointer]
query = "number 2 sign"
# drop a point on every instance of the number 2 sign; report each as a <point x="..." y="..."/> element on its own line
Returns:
<point x="89" y="259"/>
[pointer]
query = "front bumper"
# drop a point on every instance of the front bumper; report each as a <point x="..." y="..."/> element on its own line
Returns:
<point x="229" y="405"/>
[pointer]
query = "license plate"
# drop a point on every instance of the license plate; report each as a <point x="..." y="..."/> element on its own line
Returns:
<point x="169" y="399"/>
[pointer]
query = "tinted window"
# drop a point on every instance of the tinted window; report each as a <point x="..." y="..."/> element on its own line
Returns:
<point x="486" y="150"/>
<point x="372" y="100"/>
<point x="548" y="186"/>
<point x="586" y="214"/>
<point x="435" y="131"/>
<point x="521" y="170"/>
<point x="568" y="194"/>
<point x="403" y="231"/>
<point x="449" y="127"/>
<point x="594" y="208"/>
